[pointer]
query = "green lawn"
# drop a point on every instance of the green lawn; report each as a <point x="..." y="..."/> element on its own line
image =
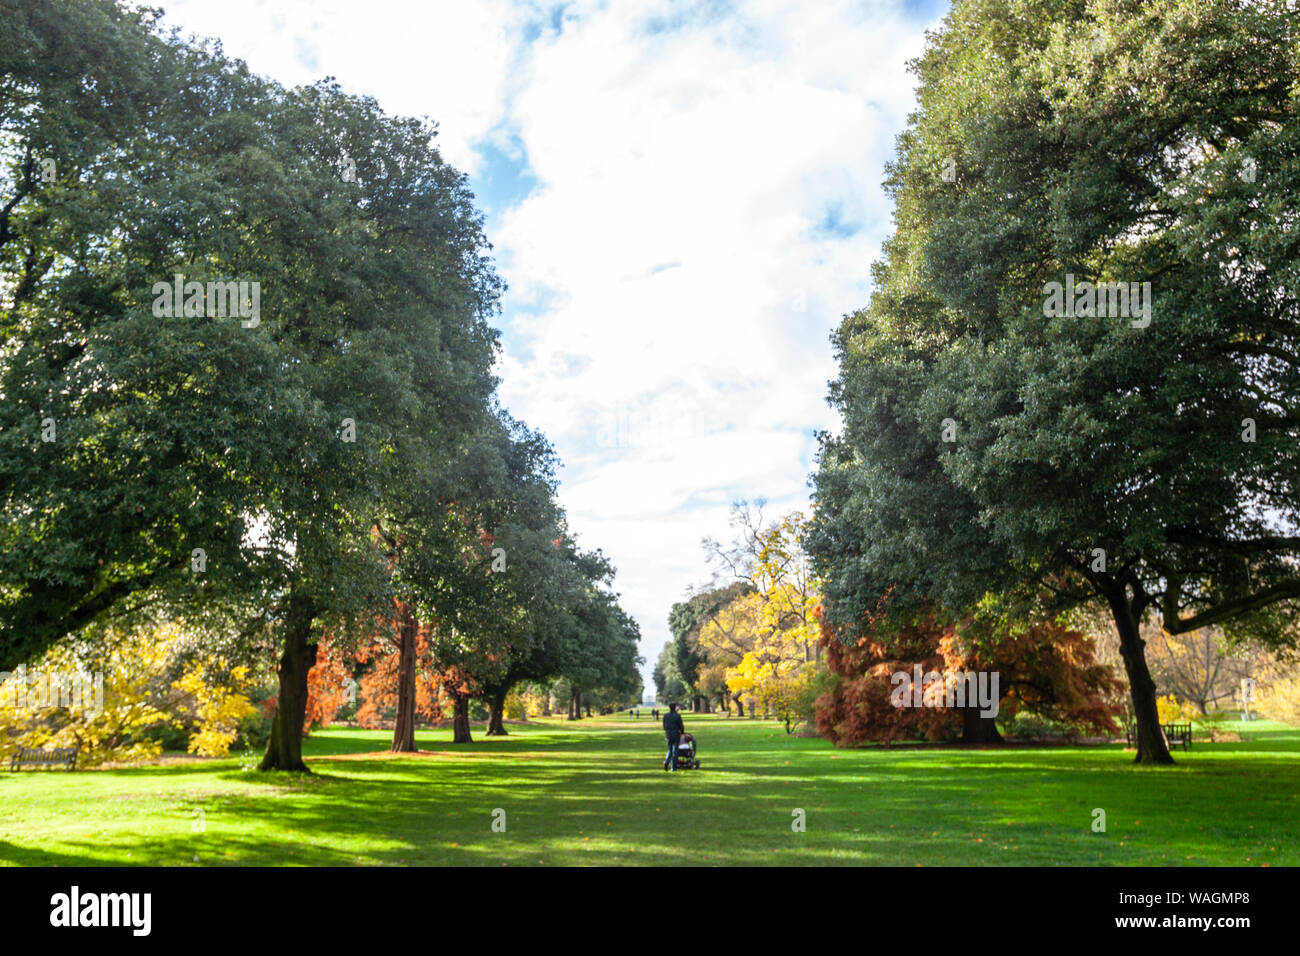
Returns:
<point x="595" y="793"/>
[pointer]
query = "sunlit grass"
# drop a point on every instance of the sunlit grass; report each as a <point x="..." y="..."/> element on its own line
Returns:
<point x="594" y="792"/>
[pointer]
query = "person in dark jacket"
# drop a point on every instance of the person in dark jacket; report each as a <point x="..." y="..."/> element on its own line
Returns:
<point x="673" y="730"/>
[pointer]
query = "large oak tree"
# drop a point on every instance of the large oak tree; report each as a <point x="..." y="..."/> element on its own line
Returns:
<point x="991" y="450"/>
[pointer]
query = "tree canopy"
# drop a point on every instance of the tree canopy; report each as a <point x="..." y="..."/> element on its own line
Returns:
<point x="1141" y="458"/>
<point x="246" y="353"/>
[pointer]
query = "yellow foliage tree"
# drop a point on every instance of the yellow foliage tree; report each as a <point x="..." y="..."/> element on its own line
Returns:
<point x="513" y="708"/>
<point x="1172" y="712"/>
<point x="783" y="577"/>
<point x="768" y="639"/>
<point x="1277" y="693"/>
<point x="535" y="700"/>
<point x="104" y="724"/>
<point x="712" y="681"/>
<point x="730" y="634"/>
<point x="218" y="704"/>
<point x="131" y="691"/>
<point x="786" y="684"/>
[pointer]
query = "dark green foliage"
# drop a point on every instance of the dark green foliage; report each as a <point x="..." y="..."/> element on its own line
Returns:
<point x="339" y="450"/>
<point x="1111" y="140"/>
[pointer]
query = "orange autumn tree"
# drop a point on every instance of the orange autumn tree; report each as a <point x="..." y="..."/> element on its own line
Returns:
<point x="379" y="686"/>
<point x="1043" y="668"/>
<point x="330" y="684"/>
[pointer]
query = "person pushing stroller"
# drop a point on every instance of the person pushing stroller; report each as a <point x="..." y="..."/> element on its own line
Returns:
<point x="673" y="730"/>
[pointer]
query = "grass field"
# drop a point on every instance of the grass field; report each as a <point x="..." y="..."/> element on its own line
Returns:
<point x="595" y="793"/>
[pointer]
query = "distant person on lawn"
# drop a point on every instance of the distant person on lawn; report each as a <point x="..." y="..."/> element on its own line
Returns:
<point x="673" y="730"/>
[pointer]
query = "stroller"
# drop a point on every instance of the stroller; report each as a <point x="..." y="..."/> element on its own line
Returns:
<point x="687" y="758"/>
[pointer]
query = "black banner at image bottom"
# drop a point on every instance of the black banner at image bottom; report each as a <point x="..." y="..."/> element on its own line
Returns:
<point x="134" y="906"/>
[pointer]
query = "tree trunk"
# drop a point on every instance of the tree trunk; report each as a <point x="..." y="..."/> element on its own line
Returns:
<point x="1151" y="747"/>
<point x="546" y="703"/>
<point x="496" y="710"/>
<point x="740" y="708"/>
<point x="460" y="720"/>
<point x="977" y="729"/>
<point x="404" y="727"/>
<point x="284" y="749"/>
<point x="575" y="705"/>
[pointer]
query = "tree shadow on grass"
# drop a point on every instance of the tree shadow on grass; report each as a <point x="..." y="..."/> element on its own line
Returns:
<point x="16" y="855"/>
<point x="863" y="808"/>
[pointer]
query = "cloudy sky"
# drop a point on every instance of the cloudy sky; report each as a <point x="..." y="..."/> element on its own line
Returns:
<point x="683" y="200"/>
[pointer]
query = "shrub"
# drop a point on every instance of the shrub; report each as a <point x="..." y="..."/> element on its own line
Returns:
<point x="253" y="732"/>
<point x="514" y="706"/>
<point x="169" y="735"/>
<point x="1172" y="712"/>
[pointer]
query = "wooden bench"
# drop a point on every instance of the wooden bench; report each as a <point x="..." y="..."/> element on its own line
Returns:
<point x="36" y="757"/>
<point x="1174" y="734"/>
<point x="1177" y="733"/>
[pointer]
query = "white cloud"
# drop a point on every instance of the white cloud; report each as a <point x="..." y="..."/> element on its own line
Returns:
<point x="682" y="180"/>
<point x="448" y="61"/>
